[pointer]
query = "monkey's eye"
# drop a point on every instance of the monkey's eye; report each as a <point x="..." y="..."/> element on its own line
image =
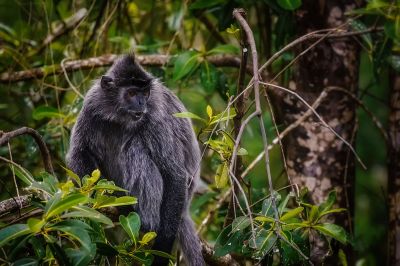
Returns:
<point x="146" y="93"/>
<point x="131" y="93"/>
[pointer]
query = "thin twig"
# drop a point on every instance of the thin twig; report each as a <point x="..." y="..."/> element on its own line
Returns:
<point x="211" y="213"/>
<point x="13" y="170"/>
<point x="309" y="112"/>
<point x="320" y="118"/>
<point x="237" y="13"/>
<point x="62" y="29"/>
<point x="237" y="122"/>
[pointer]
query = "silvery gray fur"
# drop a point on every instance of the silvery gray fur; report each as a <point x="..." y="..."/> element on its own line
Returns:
<point x="156" y="158"/>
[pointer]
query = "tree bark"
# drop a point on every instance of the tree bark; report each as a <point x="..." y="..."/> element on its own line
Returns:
<point x="394" y="172"/>
<point x="316" y="158"/>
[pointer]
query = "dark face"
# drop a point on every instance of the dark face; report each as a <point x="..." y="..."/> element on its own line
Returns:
<point x="133" y="95"/>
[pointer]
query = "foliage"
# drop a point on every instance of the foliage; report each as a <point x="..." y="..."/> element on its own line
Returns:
<point x="286" y="235"/>
<point x="72" y="229"/>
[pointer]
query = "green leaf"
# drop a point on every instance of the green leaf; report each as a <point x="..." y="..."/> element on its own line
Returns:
<point x="233" y="30"/>
<point x="224" y="49"/>
<point x="75" y="229"/>
<point x="209" y="77"/>
<point x="46" y="112"/>
<point x="26" y="262"/>
<point x="72" y="175"/>
<point x="335" y="231"/>
<point x="35" y="225"/>
<point x="314" y="214"/>
<point x="292" y="213"/>
<point x="38" y="246"/>
<point x="160" y="254"/>
<point x="266" y="209"/>
<point x="96" y="175"/>
<point x="283" y="204"/>
<point x="265" y="241"/>
<point x="23" y="174"/>
<point x="289" y="4"/>
<point x="392" y="28"/>
<point x="109" y="201"/>
<point x="292" y="226"/>
<point x="264" y="219"/>
<point x="242" y="152"/>
<point x="323" y="207"/>
<point x="81" y="256"/>
<point x="185" y="63"/>
<point x="88" y="182"/>
<point x="228" y="242"/>
<point x="331" y="211"/>
<point x="203" y="4"/>
<point x="65" y="204"/>
<point x="149" y="236"/>
<point x="189" y="115"/>
<point x="108" y="187"/>
<point x="131" y="225"/>
<point x="13" y="231"/>
<point x="86" y="212"/>
<point x="240" y="223"/>
<point x="209" y="111"/>
<point x="290" y="256"/>
<point x="59" y="254"/>
<point x="357" y="25"/>
<point x="18" y="246"/>
<point x="342" y="257"/>
<point x="48" y="184"/>
<point x="221" y="176"/>
<point x="223" y="116"/>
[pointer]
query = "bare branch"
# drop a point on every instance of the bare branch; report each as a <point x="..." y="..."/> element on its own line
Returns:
<point x="318" y="34"/>
<point x="14" y="204"/>
<point x="237" y="123"/>
<point x="102" y="61"/>
<point x="237" y="13"/>
<point x="62" y="29"/>
<point x="320" y="119"/>
<point x="6" y="136"/>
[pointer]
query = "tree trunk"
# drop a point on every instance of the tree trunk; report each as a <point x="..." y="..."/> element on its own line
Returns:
<point x="316" y="158"/>
<point x="394" y="172"/>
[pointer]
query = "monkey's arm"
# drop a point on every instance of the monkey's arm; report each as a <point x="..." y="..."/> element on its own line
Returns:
<point x="143" y="180"/>
<point x="81" y="161"/>
<point x="174" y="201"/>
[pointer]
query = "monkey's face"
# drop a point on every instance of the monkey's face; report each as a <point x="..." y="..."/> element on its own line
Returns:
<point x="135" y="101"/>
<point x="133" y="95"/>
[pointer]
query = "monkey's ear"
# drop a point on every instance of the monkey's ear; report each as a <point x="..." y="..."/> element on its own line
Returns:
<point x="107" y="82"/>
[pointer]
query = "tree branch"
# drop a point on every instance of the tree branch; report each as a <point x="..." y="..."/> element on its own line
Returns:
<point x="6" y="136"/>
<point x="14" y="204"/>
<point x="102" y="61"/>
<point x="63" y="28"/>
<point x="237" y="122"/>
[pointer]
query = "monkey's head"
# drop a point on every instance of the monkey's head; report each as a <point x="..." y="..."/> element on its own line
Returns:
<point x="127" y="87"/>
<point x="132" y="94"/>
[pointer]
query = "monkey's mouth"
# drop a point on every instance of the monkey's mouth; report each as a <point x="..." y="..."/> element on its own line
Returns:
<point x="136" y="115"/>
